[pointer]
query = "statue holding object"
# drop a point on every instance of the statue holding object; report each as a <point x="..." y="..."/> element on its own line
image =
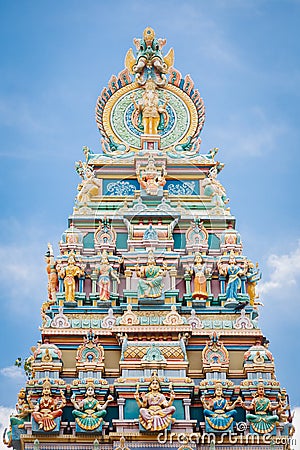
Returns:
<point x="150" y="177"/>
<point x="261" y="420"/>
<point x="155" y="410"/>
<point x="234" y="272"/>
<point x="150" y="283"/>
<point x="69" y="273"/>
<point x="47" y="408"/>
<point x="105" y="272"/>
<point x="219" y="415"/>
<point x="52" y="274"/>
<point x="199" y="270"/>
<point x="89" y="412"/>
<point x="151" y="113"/>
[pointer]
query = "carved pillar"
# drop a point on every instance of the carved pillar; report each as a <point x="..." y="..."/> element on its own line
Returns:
<point x="94" y="278"/>
<point x="114" y="286"/>
<point x="222" y="284"/>
<point x="187" y="278"/>
<point x="173" y="273"/>
<point x="121" y="403"/>
<point x="81" y="281"/>
<point x="128" y="275"/>
<point x="187" y="404"/>
<point x="208" y="285"/>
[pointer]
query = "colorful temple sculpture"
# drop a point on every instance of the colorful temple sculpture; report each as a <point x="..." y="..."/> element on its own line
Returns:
<point x="150" y="335"/>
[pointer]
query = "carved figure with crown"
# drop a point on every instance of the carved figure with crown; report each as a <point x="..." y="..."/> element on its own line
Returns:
<point x="219" y="414"/>
<point x="151" y="113"/>
<point x="69" y="273"/>
<point x="48" y="410"/>
<point x="214" y="189"/>
<point x="52" y="274"/>
<point x="149" y="62"/>
<point x="151" y="178"/>
<point x="18" y="418"/>
<point x="200" y="271"/>
<point x="89" y="186"/>
<point x="89" y="412"/>
<point x="105" y="272"/>
<point x="150" y="283"/>
<point x="155" y="410"/>
<point x="234" y="272"/>
<point x="261" y="420"/>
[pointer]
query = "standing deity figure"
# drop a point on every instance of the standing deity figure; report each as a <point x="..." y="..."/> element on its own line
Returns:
<point x="214" y="189"/>
<point x="151" y="114"/>
<point x="105" y="272"/>
<point x="90" y="184"/>
<point x="155" y="410"/>
<point x="261" y="421"/>
<point x="89" y="412"/>
<point x="47" y="408"/>
<point x="150" y="283"/>
<point x="253" y="275"/>
<point x="234" y="273"/>
<point x="219" y="415"/>
<point x="200" y="270"/>
<point x="151" y="178"/>
<point x="52" y="274"/>
<point x="69" y="273"/>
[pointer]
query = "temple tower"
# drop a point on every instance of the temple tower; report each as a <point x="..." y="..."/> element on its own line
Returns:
<point x="150" y="331"/>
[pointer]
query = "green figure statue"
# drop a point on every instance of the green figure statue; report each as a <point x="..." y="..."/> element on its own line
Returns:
<point x="89" y="413"/>
<point x="261" y="421"/>
<point x="150" y="284"/>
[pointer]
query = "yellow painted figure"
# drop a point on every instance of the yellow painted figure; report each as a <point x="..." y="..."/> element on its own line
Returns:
<point x="149" y="107"/>
<point x="69" y="273"/>
<point x="199" y="270"/>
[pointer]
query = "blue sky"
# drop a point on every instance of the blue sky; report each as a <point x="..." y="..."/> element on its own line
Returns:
<point x="55" y="58"/>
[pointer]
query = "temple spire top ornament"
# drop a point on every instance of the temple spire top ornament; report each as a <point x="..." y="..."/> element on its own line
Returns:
<point x="149" y="62"/>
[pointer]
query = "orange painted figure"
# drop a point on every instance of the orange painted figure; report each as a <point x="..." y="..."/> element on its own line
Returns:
<point x="47" y="409"/>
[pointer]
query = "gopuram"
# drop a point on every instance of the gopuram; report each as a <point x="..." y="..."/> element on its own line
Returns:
<point x="150" y="335"/>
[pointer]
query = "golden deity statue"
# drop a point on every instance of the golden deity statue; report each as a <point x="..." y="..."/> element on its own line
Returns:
<point x="150" y="111"/>
<point x="200" y="271"/>
<point x="69" y="273"/>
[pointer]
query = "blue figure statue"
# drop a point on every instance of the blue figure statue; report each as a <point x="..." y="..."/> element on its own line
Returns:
<point x="219" y="415"/>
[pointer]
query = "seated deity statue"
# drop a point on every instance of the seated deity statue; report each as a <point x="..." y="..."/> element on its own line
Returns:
<point x="69" y="273"/>
<point x="155" y="410"/>
<point x="150" y="283"/>
<point x="214" y="189"/>
<point x="18" y="418"/>
<point x="105" y="272"/>
<point x="90" y="183"/>
<point x="219" y="415"/>
<point x="151" y="178"/>
<point x="261" y="420"/>
<point x="89" y="412"/>
<point x="47" y="408"/>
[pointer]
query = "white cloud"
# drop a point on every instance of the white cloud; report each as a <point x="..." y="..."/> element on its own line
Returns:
<point x="13" y="372"/>
<point x="4" y="423"/>
<point x="296" y="423"/>
<point x="285" y="273"/>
